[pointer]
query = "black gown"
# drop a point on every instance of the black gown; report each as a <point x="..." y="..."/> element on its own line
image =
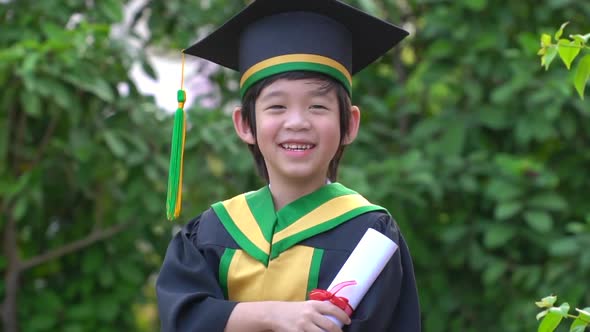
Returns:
<point x="242" y="250"/>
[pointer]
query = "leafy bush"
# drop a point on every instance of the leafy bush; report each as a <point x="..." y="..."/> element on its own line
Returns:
<point x="568" y="50"/>
<point x="553" y="315"/>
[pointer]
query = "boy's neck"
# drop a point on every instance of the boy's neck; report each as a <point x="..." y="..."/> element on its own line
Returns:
<point x="284" y="191"/>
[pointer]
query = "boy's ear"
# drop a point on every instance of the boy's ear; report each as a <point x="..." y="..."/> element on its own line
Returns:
<point x="242" y="128"/>
<point x="353" y="125"/>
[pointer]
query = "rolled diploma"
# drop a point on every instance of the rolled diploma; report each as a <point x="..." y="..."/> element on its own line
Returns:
<point x="363" y="266"/>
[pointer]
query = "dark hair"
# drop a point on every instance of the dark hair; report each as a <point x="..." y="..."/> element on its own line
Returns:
<point x="328" y="83"/>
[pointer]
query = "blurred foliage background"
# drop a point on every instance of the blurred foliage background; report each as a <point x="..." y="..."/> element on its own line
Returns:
<point x="481" y="156"/>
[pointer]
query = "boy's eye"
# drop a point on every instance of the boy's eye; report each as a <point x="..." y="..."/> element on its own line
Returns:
<point x="275" y="107"/>
<point x="322" y="107"/>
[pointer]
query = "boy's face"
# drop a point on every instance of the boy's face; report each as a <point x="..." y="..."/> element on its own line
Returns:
<point x="298" y="129"/>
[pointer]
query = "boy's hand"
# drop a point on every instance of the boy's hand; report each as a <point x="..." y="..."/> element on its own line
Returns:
<point x="305" y="316"/>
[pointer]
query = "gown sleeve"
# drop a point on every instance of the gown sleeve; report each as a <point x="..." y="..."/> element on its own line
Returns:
<point x="392" y="302"/>
<point x="189" y="297"/>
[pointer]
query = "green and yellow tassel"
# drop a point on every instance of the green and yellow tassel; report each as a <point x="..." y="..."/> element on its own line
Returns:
<point x="174" y="199"/>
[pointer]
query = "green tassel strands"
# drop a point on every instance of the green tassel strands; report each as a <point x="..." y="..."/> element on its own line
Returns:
<point x="174" y="195"/>
<point x="174" y="199"/>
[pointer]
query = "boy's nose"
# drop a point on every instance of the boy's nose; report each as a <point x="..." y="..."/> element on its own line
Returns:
<point x="296" y="120"/>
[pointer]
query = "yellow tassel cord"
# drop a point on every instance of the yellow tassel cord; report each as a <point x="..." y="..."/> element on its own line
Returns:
<point x="174" y="199"/>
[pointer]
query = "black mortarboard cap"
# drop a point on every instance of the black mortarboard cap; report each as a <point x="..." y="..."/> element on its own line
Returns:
<point x="273" y="36"/>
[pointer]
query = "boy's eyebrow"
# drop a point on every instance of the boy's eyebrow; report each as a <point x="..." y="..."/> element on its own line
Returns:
<point x="320" y="92"/>
<point x="275" y="93"/>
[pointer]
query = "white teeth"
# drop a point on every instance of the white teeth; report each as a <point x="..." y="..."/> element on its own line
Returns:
<point x="296" y="146"/>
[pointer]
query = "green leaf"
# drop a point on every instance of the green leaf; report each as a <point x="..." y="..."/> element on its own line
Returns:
<point x="4" y="143"/>
<point x="20" y="208"/>
<point x="42" y="322"/>
<point x="549" y="201"/>
<point x="582" y="75"/>
<point x="542" y="314"/>
<point x="12" y="54"/>
<point x="506" y="210"/>
<point x="578" y="325"/>
<point x="139" y="143"/>
<point x="148" y="69"/>
<point x="30" y="62"/>
<point x="31" y="103"/>
<point x="107" y="309"/>
<point x="73" y="328"/>
<point x="369" y="6"/>
<point x="545" y="40"/>
<point x="548" y="57"/>
<point x="564" y="247"/>
<point x="493" y="118"/>
<point x="578" y="328"/>
<point x="583" y="39"/>
<point x="475" y="5"/>
<point x="83" y="312"/>
<point x="546" y="302"/>
<point x="112" y="9"/>
<point x="106" y="277"/>
<point x="493" y="272"/>
<point x="585" y="313"/>
<point x="81" y="144"/>
<point x="52" y="31"/>
<point x="568" y="50"/>
<point x="91" y="83"/>
<point x="49" y="301"/>
<point x="582" y="322"/>
<point x="453" y="233"/>
<point x="93" y="261"/>
<point x="575" y="227"/>
<point x="503" y="190"/>
<point x="560" y="31"/>
<point x="563" y="309"/>
<point x="130" y="273"/>
<point x="550" y="322"/>
<point x="55" y="90"/>
<point x="453" y="139"/>
<point x="498" y="235"/>
<point x="115" y="143"/>
<point x="11" y="187"/>
<point x="539" y="220"/>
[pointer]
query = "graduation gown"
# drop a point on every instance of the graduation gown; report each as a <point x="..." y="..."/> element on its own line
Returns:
<point x="243" y="250"/>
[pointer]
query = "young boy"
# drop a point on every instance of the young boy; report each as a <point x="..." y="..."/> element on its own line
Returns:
<point x="249" y="263"/>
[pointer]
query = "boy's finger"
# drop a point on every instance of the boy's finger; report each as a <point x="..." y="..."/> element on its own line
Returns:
<point x="332" y="310"/>
<point x="326" y="325"/>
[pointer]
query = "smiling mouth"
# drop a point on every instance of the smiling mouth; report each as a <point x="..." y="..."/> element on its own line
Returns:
<point x="297" y="147"/>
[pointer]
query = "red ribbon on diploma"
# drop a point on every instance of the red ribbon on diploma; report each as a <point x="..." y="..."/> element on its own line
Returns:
<point x="339" y="301"/>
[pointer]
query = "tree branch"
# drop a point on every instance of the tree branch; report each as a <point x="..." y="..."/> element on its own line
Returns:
<point x="95" y="236"/>
<point x="99" y="208"/>
<point x="9" y="312"/>
<point x="11" y="277"/>
<point x="19" y="142"/>
<point x="10" y="156"/>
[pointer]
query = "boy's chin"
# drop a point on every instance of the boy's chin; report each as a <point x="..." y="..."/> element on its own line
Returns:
<point x="301" y="176"/>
